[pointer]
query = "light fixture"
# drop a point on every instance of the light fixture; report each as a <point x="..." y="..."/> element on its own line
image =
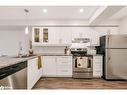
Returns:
<point x="26" y="30"/>
<point x="81" y="10"/>
<point x="44" y="10"/>
<point x="27" y="26"/>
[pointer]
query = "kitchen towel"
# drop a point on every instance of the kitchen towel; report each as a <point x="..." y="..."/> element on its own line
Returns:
<point x="82" y="62"/>
<point x="39" y="62"/>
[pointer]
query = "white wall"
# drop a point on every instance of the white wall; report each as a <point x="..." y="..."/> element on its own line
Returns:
<point x="9" y="40"/>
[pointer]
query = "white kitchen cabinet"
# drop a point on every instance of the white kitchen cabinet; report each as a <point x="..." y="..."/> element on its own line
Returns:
<point x="97" y="66"/>
<point x="33" y="73"/>
<point x="94" y="41"/>
<point x="65" y="35"/>
<point x="51" y="36"/>
<point x="36" y="35"/>
<point x="57" y="66"/>
<point x="54" y="33"/>
<point x="94" y="38"/>
<point x="49" y="66"/>
<point x="64" y="66"/>
<point x="40" y="36"/>
<point x="80" y="32"/>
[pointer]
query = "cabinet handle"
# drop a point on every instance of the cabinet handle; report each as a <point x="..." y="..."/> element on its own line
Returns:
<point x="64" y="57"/>
<point x="64" y="62"/>
<point x="64" y="70"/>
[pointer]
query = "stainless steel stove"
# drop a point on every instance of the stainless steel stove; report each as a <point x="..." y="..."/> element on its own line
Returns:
<point x="82" y="63"/>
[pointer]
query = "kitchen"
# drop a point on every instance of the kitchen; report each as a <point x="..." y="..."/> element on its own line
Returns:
<point x="57" y="47"/>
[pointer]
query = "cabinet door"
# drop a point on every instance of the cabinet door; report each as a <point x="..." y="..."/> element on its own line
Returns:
<point x="54" y="33"/>
<point x="97" y="66"/>
<point x="49" y="66"/>
<point x="33" y="73"/>
<point x="80" y="32"/>
<point x="45" y="35"/>
<point x="65" y="35"/>
<point x="64" y="66"/>
<point x="36" y="35"/>
<point x="64" y="71"/>
<point x="94" y="37"/>
<point x="64" y="60"/>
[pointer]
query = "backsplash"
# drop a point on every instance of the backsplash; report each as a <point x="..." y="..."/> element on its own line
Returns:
<point x="52" y="49"/>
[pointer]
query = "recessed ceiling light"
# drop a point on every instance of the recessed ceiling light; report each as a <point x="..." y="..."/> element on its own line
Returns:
<point x="81" y="10"/>
<point x="44" y="10"/>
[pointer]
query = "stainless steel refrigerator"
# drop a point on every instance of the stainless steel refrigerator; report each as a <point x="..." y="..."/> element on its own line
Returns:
<point x="114" y="49"/>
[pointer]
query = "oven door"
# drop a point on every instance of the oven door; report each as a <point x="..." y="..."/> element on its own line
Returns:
<point x="82" y="64"/>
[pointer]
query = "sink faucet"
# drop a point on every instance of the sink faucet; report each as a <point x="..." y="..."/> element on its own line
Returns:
<point x="20" y="49"/>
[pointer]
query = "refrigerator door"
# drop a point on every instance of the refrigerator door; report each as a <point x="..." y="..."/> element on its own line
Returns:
<point x="116" y="64"/>
<point x="116" y="41"/>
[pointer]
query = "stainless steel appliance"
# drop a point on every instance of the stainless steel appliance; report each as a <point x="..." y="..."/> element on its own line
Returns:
<point x="82" y="63"/>
<point x="14" y="76"/>
<point x="114" y="49"/>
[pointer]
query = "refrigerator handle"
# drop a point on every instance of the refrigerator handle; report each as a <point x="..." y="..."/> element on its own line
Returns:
<point x="109" y="58"/>
<point x="108" y="42"/>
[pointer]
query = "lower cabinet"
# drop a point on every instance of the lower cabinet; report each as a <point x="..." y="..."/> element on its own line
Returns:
<point x="33" y="73"/>
<point x="49" y="66"/>
<point x="57" y="66"/>
<point x="97" y="66"/>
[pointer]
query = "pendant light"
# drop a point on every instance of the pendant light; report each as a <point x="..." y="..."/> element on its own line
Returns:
<point x="27" y="26"/>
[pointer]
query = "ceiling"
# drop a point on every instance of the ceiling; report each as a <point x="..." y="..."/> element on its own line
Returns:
<point x="53" y="13"/>
<point x="120" y="14"/>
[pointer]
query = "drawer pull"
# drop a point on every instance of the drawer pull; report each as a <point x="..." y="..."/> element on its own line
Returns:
<point x="64" y="70"/>
<point x="64" y="62"/>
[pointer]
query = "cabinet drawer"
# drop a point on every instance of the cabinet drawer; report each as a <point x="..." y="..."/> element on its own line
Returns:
<point x="97" y="68"/>
<point x="97" y="73"/>
<point x="97" y="57"/>
<point x="64" y="60"/>
<point x="64" y="70"/>
<point x="97" y="63"/>
<point x="64" y="63"/>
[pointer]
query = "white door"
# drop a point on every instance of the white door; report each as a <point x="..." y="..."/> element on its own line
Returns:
<point x="54" y="35"/>
<point x="36" y="35"/>
<point x="65" y="35"/>
<point x="33" y="73"/>
<point x="49" y="66"/>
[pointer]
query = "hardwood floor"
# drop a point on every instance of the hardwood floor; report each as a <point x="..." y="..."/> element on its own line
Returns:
<point x="69" y="83"/>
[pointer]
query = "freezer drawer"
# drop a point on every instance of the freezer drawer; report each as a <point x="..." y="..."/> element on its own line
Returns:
<point x="116" y="64"/>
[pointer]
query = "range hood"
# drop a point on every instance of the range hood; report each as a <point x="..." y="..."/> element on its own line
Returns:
<point x="81" y="40"/>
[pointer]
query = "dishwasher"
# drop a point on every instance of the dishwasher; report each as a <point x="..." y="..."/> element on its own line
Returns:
<point x="14" y="76"/>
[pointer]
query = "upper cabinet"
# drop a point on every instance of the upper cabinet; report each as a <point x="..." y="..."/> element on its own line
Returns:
<point x="39" y="35"/>
<point x="65" y="36"/>
<point x="45" y="35"/>
<point x="80" y="32"/>
<point x="36" y="35"/>
<point x="86" y="32"/>
<point x="51" y="36"/>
